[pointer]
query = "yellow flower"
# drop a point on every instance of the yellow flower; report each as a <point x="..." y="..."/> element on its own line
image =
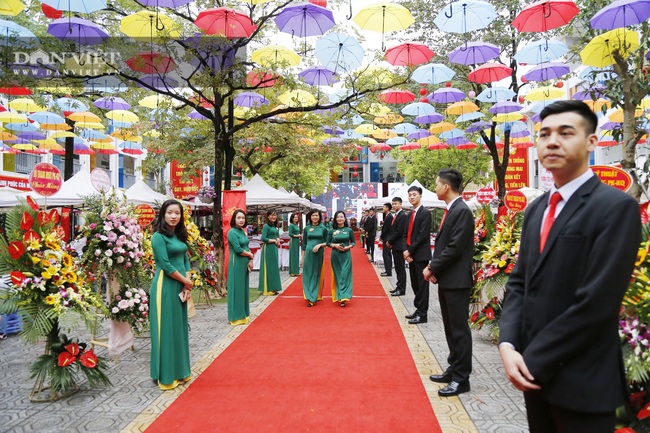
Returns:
<point x="502" y="264"/>
<point x="67" y="260"/>
<point x="35" y="259"/>
<point x="50" y="300"/>
<point x="34" y="245"/>
<point x="641" y="256"/>
<point x="69" y="275"/>
<point x="52" y="243"/>
<point x="49" y="272"/>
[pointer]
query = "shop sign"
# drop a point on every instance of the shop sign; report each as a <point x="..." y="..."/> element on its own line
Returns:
<point x="613" y="176"/>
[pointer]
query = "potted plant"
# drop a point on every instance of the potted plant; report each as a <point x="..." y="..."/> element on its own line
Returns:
<point x="207" y="194"/>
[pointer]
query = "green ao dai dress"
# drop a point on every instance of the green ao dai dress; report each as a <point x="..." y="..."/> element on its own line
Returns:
<point x="238" y="279"/>
<point x="270" y="282"/>
<point x="294" y="250"/>
<point x="341" y="262"/>
<point x="313" y="264"/>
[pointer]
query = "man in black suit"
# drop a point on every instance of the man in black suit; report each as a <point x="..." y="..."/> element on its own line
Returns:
<point x="371" y="233"/>
<point x="396" y="242"/>
<point x="418" y="254"/>
<point x="385" y="231"/>
<point x="559" y="337"/>
<point x="451" y="269"/>
<point x="362" y="228"/>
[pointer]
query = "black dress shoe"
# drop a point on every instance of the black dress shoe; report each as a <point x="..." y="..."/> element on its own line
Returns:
<point x="397" y="293"/>
<point x="441" y="378"/>
<point x="384" y="274"/>
<point x="409" y="316"/>
<point x="454" y="388"/>
<point x="416" y="320"/>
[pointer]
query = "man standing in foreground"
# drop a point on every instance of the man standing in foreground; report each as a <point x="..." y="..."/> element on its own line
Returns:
<point x="451" y="269"/>
<point x="396" y="241"/>
<point x="385" y="232"/>
<point x="418" y="254"/>
<point x="559" y="328"/>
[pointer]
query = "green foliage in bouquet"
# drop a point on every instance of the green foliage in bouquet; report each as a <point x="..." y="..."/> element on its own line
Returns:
<point x="489" y="316"/>
<point x="131" y="305"/>
<point x="483" y="232"/>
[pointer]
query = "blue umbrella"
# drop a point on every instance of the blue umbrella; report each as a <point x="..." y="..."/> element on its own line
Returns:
<point x="446" y="95"/>
<point x="108" y="84"/>
<point x="621" y="13"/>
<point x="547" y="71"/>
<point x="404" y="128"/>
<point x="467" y="117"/>
<point x="541" y="51"/>
<point x="454" y="133"/>
<point x="516" y="128"/>
<point x="85" y="6"/>
<point x="336" y="51"/>
<point x="10" y="28"/>
<point x="22" y="127"/>
<point x="432" y="73"/>
<point x="83" y="32"/>
<point x="418" y="109"/>
<point x="597" y="75"/>
<point x="428" y="118"/>
<point x="250" y="99"/>
<point x="92" y="134"/>
<point x="474" y="53"/>
<point x="396" y="141"/>
<point x="69" y="104"/>
<point x="318" y="76"/>
<point x="350" y="134"/>
<point x="465" y="16"/>
<point x="495" y="94"/>
<point x="45" y="117"/>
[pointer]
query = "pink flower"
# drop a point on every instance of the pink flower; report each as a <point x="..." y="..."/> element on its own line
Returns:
<point x="112" y="236"/>
<point x="92" y="226"/>
<point x="123" y="304"/>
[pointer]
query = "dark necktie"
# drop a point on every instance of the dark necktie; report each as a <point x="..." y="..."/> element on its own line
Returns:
<point x="442" y="221"/>
<point x="548" y="221"/>
<point x="393" y="220"/>
<point x="408" y="235"/>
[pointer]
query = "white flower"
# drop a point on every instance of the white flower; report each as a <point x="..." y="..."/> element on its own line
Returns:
<point x="115" y="310"/>
<point x="141" y="308"/>
<point x="123" y="304"/>
<point x="120" y="259"/>
<point x="128" y="294"/>
<point x="108" y="253"/>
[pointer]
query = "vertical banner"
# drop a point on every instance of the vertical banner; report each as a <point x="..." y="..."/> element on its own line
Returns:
<point x="517" y="172"/>
<point x="183" y="189"/>
<point x="231" y="201"/>
<point x="66" y="222"/>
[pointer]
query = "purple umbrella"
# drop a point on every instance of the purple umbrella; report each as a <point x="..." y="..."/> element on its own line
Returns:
<point x="429" y="118"/>
<point x="196" y="115"/>
<point x="519" y="134"/>
<point x="621" y="13"/>
<point x="477" y="126"/>
<point x="250" y="99"/>
<point x="334" y="140"/>
<point x="536" y="118"/>
<point x="305" y="19"/>
<point x="19" y="141"/>
<point x="333" y="130"/>
<point x="165" y="3"/>
<point x="446" y="95"/>
<point x="112" y="103"/>
<point x="83" y="32"/>
<point x="505" y="107"/>
<point x="608" y="126"/>
<point x="457" y="140"/>
<point x="473" y="53"/>
<point x="157" y="81"/>
<point x="420" y="133"/>
<point x="32" y="135"/>
<point x="588" y="94"/>
<point x="547" y="71"/>
<point x="319" y="76"/>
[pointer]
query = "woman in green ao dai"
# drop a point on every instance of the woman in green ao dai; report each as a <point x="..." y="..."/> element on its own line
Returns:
<point x="294" y="245"/>
<point x="240" y="264"/>
<point x="341" y="240"/>
<point x="270" y="282"/>
<point x="314" y="239"/>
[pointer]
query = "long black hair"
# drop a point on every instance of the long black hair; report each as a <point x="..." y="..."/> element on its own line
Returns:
<point x="161" y="226"/>
<point x="335" y="223"/>
<point x="233" y="219"/>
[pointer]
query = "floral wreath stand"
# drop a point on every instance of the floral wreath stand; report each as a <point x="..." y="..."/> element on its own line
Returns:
<point x="120" y="335"/>
<point x="42" y="393"/>
<point x="203" y="299"/>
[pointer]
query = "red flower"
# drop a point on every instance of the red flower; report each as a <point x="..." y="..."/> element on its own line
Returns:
<point x="492" y="272"/>
<point x="625" y="430"/>
<point x="474" y="317"/>
<point x="509" y="268"/>
<point x="16" y="249"/>
<point x="53" y="216"/>
<point x="31" y="235"/>
<point x="32" y="203"/>
<point x="644" y="413"/>
<point x="73" y="349"/>
<point x="489" y="313"/>
<point x="42" y="218"/>
<point x="88" y="359"/>
<point x="65" y="359"/>
<point x="636" y="398"/>
<point x="17" y="277"/>
<point x="26" y="221"/>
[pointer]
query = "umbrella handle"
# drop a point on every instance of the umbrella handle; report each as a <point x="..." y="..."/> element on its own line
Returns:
<point x="349" y="17"/>
<point x="544" y="8"/>
<point x="451" y="11"/>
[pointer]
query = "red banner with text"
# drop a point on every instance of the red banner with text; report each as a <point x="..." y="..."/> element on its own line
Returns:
<point x="517" y="172"/>
<point x="232" y="200"/>
<point x="183" y="188"/>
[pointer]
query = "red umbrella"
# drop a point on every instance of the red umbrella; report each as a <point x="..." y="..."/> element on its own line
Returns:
<point x="149" y="62"/>
<point x="545" y="15"/>
<point x="489" y="73"/>
<point x="225" y="22"/>
<point x="409" y="54"/>
<point x="523" y="145"/>
<point x="321" y="3"/>
<point x="257" y="78"/>
<point x="396" y="96"/>
<point x="15" y="91"/>
<point x="409" y="146"/>
<point x="467" y="146"/>
<point x="438" y="146"/>
<point x="51" y="12"/>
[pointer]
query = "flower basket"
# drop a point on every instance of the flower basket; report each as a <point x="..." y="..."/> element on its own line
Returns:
<point x="206" y="199"/>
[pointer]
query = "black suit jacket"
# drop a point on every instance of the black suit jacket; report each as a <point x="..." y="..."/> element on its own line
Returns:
<point x="386" y="227"/>
<point x="371" y="225"/>
<point x="397" y="235"/>
<point x="452" y="258"/>
<point x="420" y="248"/>
<point x="561" y="308"/>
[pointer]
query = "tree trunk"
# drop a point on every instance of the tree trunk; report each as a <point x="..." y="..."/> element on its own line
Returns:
<point x="220" y="144"/>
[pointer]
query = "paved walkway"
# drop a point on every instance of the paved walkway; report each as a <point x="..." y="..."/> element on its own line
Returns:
<point x="134" y="400"/>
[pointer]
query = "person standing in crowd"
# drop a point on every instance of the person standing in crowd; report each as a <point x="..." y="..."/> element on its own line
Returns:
<point x="451" y="269"/>
<point x="371" y="233"/>
<point x="294" y="244"/>
<point x="362" y="234"/>
<point x="396" y="242"/>
<point x="240" y="264"/>
<point x="270" y="282"/>
<point x="170" y="289"/>
<point x="418" y="254"/>
<point x="385" y="251"/>
<point x="314" y="239"/>
<point x="559" y="338"/>
<point x="341" y="240"/>
<point x="328" y="223"/>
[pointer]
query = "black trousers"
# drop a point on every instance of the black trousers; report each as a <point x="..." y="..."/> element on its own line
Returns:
<point x="454" y="306"/>
<point x="400" y="270"/>
<point x="388" y="259"/>
<point x="370" y="241"/>
<point x="544" y="417"/>
<point x="420" y="288"/>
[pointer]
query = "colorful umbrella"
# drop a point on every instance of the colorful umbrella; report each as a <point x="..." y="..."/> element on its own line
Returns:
<point x="112" y="103"/>
<point x="600" y="51"/>
<point x="16" y="91"/>
<point x="384" y="134"/>
<point x="473" y="53"/>
<point x="297" y="98"/>
<point x="545" y="15"/>
<point x="6" y="149"/>
<point x="382" y="18"/>
<point x="507" y="117"/>
<point x="418" y="109"/>
<point x="11" y="7"/>
<point x="10" y="28"/>
<point x="250" y="99"/>
<point x="85" y="6"/>
<point x="172" y="4"/>
<point x="396" y="96"/>
<point x="505" y="107"/>
<point x="404" y="128"/>
<point x="418" y="134"/>
<point x="149" y="62"/>
<point x="83" y="32"/>
<point x="467" y="146"/>
<point x="397" y="141"/>
<point x="84" y="116"/>
<point x="438" y="146"/>
<point x="257" y="78"/>
<point x="465" y="16"/>
<point x="547" y="71"/>
<point x="225" y="22"/>
<point x="432" y="73"/>
<point x="336" y="51"/>
<point x="122" y="116"/>
<point x="367" y="129"/>
<point x="388" y="119"/>
<point x="20" y="127"/>
<point x="477" y="127"/>
<point x="149" y="26"/>
<point x="275" y="55"/>
<point x="69" y="104"/>
<point x="409" y="54"/>
<point x="495" y="94"/>
<point x="489" y="73"/>
<point x="441" y="127"/>
<point x="588" y="94"/>
<point x="410" y="146"/>
<point x="446" y="95"/>
<point x="540" y="51"/>
<point x="25" y="104"/>
<point x="10" y="117"/>
<point x="319" y="76"/>
<point x="305" y="19"/>
<point x="621" y="13"/>
<point x="428" y="118"/>
<point x="131" y="148"/>
<point x="160" y="82"/>
<point x="104" y="148"/>
<point x="468" y="117"/>
<point x="462" y="107"/>
<point x="153" y="101"/>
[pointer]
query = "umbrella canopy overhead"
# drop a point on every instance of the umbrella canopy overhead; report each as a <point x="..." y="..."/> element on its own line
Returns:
<point x="85" y="6"/>
<point x="319" y="76"/>
<point x="305" y="19"/>
<point x="149" y="26"/>
<point x="473" y="53"/>
<point x="489" y="73"/>
<point x="446" y="95"/>
<point x="621" y="13"/>
<point x="541" y="51"/>
<point x="11" y="7"/>
<point x="600" y="51"/>
<point x="149" y="62"/>
<point x="465" y="16"/>
<point x="396" y="96"/>
<point x="432" y="73"/>
<point x="547" y="71"/>
<point x="275" y="55"/>
<point x="336" y="51"/>
<point x="409" y="54"/>
<point x="225" y="22"/>
<point x="383" y="18"/>
<point x="495" y="94"/>
<point x="250" y="99"/>
<point x="83" y="32"/>
<point x="544" y="15"/>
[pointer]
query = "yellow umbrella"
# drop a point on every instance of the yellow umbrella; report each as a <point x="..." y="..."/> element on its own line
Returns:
<point x="377" y="109"/>
<point x="11" y="117"/>
<point x="544" y="93"/>
<point x="102" y="146"/>
<point x="6" y="135"/>
<point x="25" y="104"/>
<point x="153" y="133"/>
<point x="90" y="125"/>
<point x="437" y="128"/>
<point x="383" y="17"/>
<point x="368" y="140"/>
<point x="48" y="141"/>
<point x="55" y="126"/>
<point x="389" y="119"/>
<point x="366" y="129"/>
<point x="645" y="103"/>
<point x="125" y="134"/>
<point x="91" y="66"/>
<point x="619" y="115"/>
<point x="274" y="55"/>
<point x="507" y="117"/>
<point x="51" y="146"/>
<point x="384" y="134"/>
<point x="462" y="107"/>
<point x="84" y="116"/>
<point x="122" y="116"/>
<point x="426" y="141"/>
<point x="599" y="52"/>
<point x="153" y="101"/>
<point x="63" y="134"/>
<point x="11" y="7"/>
<point x="25" y="146"/>
<point x="149" y="25"/>
<point x="297" y="98"/>
<point x="598" y="104"/>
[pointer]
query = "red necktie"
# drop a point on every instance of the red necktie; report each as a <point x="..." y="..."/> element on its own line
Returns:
<point x="548" y="221"/>
<point x="393" y="220"/>
<point x="408" y="235"/>
<point x="442" y="221"/>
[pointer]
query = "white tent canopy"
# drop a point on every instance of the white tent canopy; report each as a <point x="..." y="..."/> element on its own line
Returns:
<point x="141" y="193"/>
<point x="429" y="199"/>
<point x="262" y="196"/>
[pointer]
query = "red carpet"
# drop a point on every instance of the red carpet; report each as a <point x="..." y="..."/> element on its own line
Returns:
<point x="319" y="369"/>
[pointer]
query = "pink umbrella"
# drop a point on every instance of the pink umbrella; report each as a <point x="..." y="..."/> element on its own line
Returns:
<point x="409" y="54"/>
<point x="225" y="22"/>
<point x="489" y="73"/>
<point x="545" y="15"/>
